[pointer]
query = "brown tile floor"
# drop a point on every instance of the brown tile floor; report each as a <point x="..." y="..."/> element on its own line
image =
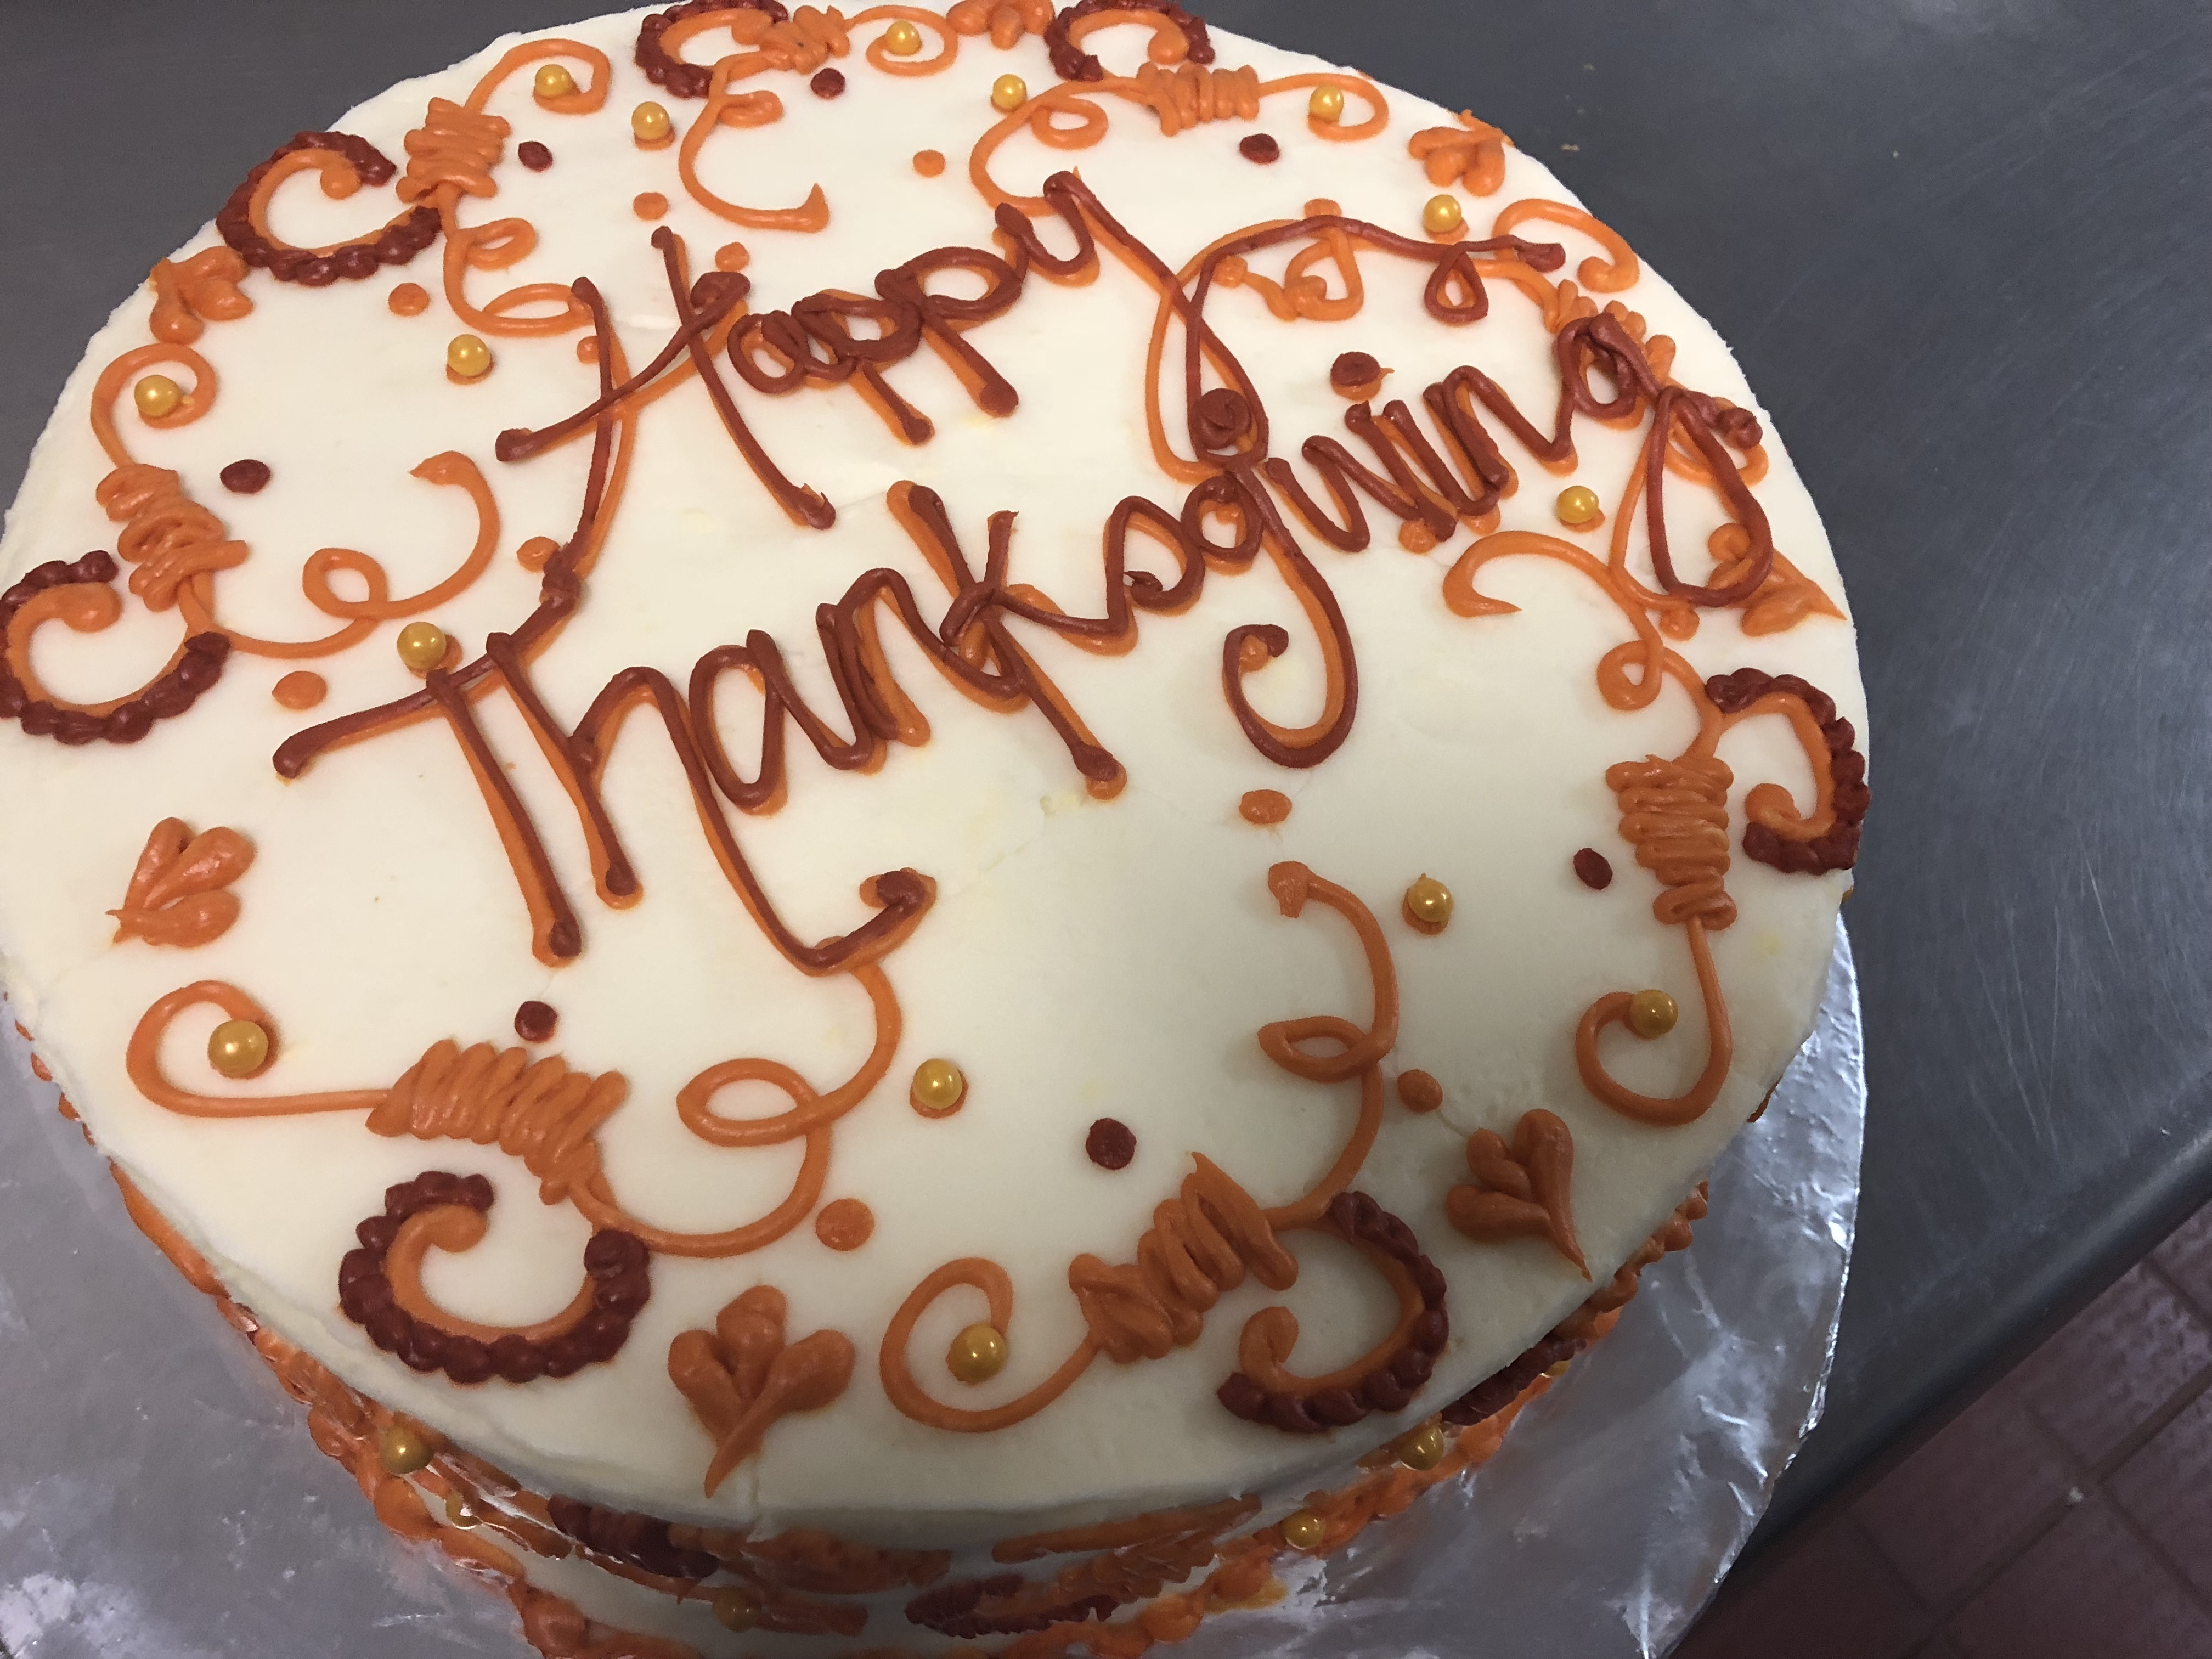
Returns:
<point x="2065" y="1514"/>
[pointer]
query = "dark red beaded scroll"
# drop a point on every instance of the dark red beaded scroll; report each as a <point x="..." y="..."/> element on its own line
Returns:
<point x="1361" y="1222"/>
<point x="614" y="1261"/>
<point x="200" y="667"/>
<point x="1839" y="849"/>
<point x="671" y="74"/>
<point x="395" y="245"/>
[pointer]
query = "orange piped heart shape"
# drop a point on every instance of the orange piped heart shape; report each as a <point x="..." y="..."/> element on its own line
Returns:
<point x="1521" y="1190"/>
<point x="741" y="1376"/>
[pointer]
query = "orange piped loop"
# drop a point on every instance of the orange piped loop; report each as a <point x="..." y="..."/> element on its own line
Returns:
<point x="1617" y="270"/>
<point x="726" y="108"/>
<point x="453" y="469"/>
<point x="808" y="1112"/>
<point x="452" y="155"/>
<point x="340" y="181"/>
<point x="879" y="56"/>
<point x="143" y="1060"/>
<point x="1300" y="294"/>
<point x="586" y="99"/>
<point x="1339" y="131"/>
<point x="199" y="397"/>
<point x="455" y="1227"/>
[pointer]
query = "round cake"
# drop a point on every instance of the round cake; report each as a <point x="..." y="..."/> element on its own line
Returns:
<point x="917" y="827"/>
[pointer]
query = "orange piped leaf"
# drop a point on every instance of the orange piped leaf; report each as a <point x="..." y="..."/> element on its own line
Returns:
<point x="179" y="892"/>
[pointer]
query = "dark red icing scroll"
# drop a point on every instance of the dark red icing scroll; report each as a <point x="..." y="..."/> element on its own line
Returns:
<point x="395" y="245"/>
<point x="198" y="668"/>
<point x="614" y="1261"/>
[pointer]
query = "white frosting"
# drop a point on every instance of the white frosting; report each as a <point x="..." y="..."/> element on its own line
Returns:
<point x="1083" y="958"/>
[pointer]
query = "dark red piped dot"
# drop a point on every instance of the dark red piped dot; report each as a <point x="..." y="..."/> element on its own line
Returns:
<point x="245" y="478"/>
<point x="1260" y="148"/>
<point x="533" y="155"/>
<point x="534" y="1021"/>
<point x="827" y="84"/>
<point x="1354" y="370"/>
<point x="1594" y="867"/>
<point x="1111" y="1144"/>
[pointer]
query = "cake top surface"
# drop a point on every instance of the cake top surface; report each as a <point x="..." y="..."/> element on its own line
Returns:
<point x="920" y="707"/>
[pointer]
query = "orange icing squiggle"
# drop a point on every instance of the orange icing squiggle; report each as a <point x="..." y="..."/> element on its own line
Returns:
<point x="880" y="58"/>
<point x="1203" y="1242"/>
<point x="725" y="108"/>
<point x="84" y="608"/>
<point x="199" y="396"/>
<point x="1167" y="47"/>
<point x="545" y="1114"/>
<point x="339" y="181"/>
<point x="1185" y="97"/>
<point x="450" y="468"/>
<point x="452" y="155"/>
<point x="1617" y="270"/>
<point x="586" y="99"/>
<point x="458" y="1227"/>
<point x="143" y="1060"/>
<point x="899" y="1385"/>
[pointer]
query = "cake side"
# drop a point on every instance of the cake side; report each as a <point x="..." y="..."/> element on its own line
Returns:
<point x="1099" y="940"/>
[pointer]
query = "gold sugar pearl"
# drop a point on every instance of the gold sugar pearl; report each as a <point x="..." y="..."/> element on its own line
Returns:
<point x="553" y="81"/>
<point x="238" y="1048"/>
<point x="1304" y="1530"/>
<point x="468" y="356"/>
<point x="737" y="1609"/>
<point x="157" y="395"/>
<point x="977" y="1354"/>
<point x="1652" y="1013"/>
<point x="649" y="122"/>
<point x="1009" y="93"/>
<point x="1424" y="1449"/>
<point x="1326" y="103"/>
<point x="1441" y="215"/>
<point x="1577" y="505"/>
<point x="459" y="1512"/>
<point x="402" y="1448"/>
<point x="901" y="39"/>
<point x="422" y="647"/>
<point x="938" y="1088"/>
<point x="1428" y="905"/>
<point x="1556" y="1370"/>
